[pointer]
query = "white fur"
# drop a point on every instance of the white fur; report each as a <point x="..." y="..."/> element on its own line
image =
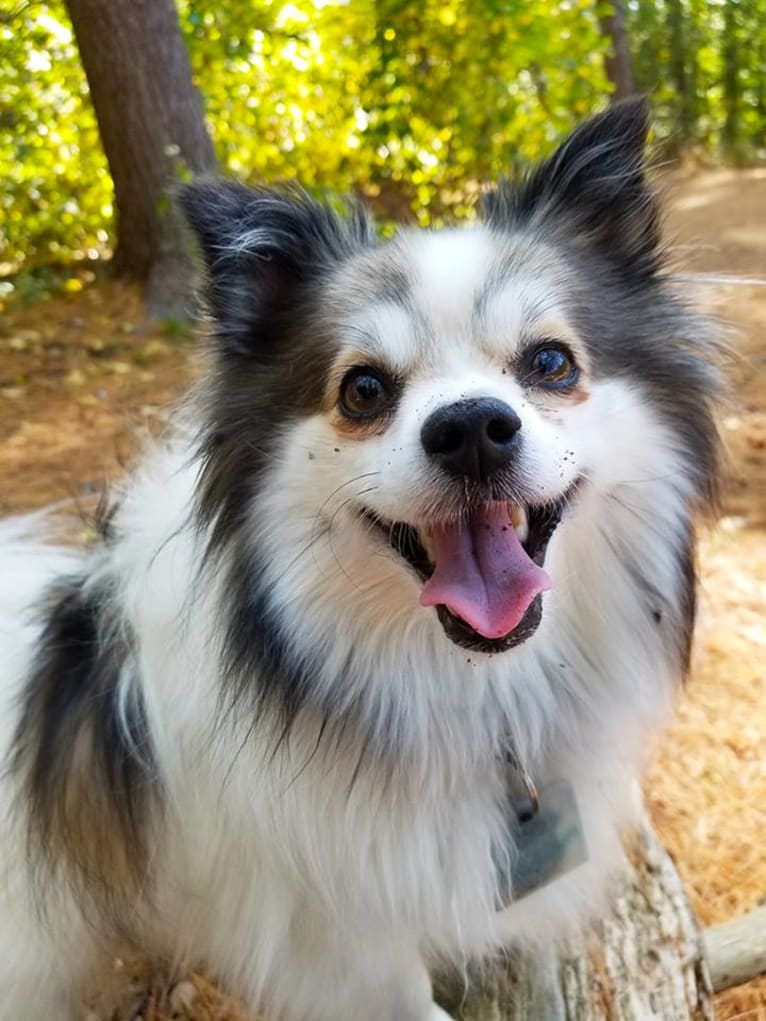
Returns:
<point x="296" y="886"/>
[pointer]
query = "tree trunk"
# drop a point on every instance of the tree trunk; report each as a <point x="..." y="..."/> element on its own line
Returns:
<point x="643" y="962"/>
<point x="730" y="77"/>
<point x="152" y="130"/>
<point x="617" y="62"/>
<point x="676" y="27"/>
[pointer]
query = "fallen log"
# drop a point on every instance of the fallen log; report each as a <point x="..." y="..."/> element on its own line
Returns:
<point x="645" y="961"/>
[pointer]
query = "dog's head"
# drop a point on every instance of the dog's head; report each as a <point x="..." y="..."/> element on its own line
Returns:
<point x="448" y="411"/>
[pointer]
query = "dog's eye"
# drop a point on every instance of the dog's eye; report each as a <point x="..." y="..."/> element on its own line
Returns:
<point x="552" y="367"/>
<point x="364" y="393"/>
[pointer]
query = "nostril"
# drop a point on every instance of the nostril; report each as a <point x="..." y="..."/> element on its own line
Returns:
<point x="443" y="436"/>
<point x="500" y="430"/>
<point x="451" y="438"/>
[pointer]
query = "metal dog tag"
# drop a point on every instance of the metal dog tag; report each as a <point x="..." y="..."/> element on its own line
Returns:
<point x="548" y="837"/>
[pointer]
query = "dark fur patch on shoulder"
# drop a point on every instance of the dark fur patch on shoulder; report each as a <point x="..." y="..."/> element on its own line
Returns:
<point x="82" y="749"/>
<point x="287" y="696"/>
<point x="257" y="646"/>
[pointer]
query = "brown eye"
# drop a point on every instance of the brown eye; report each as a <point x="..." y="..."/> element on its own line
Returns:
<point x="365" y="393"/>
<point x="551" y="367"/>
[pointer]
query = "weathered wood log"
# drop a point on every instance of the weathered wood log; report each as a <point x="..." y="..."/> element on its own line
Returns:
<point x="736" y="950"/>
<point x="642" y="962"/>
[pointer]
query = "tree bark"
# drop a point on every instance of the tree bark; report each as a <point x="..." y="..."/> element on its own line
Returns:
<point x="152" y="130"/>
<point x="617" y="62"/>
<point x="731" y="77"/>
<point x="677" y="28"/>
<point x="643" y="962"/>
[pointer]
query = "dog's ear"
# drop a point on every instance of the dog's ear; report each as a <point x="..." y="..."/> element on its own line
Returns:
<point x="594" y="187"/>
<point x="262" y="248"/>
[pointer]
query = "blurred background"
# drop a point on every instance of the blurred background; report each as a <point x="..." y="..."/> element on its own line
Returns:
<point x="105" y="105"/>
<point x="413" y="105"/>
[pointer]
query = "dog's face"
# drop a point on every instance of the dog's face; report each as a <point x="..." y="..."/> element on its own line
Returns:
<point x="451" y="425"/>
<point x="434" y="409"/>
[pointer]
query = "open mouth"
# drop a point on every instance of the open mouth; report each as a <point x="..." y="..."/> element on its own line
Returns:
<point x="483" y="574"/>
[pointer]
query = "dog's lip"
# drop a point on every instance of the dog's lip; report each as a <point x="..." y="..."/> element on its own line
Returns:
<point x="534" y="525"/>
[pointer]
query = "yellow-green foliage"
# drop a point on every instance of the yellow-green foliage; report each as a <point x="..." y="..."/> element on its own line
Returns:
<point x="411" y="104"/>
<point x="413" y="100"/>
<point x="55" y="191"/>
<point x="408" y="103"/>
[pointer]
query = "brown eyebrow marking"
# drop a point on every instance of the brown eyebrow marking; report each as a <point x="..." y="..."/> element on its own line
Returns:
<point x="577" y="395"/>
<point x="353" y="429"/>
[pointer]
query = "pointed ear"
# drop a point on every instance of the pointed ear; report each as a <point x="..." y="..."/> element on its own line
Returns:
<point x="594" y="187"/>
<point x="262" y="249"/>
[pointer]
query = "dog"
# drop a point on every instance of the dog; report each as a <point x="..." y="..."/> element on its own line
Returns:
<point x="418" y="550"/>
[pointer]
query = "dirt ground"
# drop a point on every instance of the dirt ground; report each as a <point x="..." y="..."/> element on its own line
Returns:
<point x="84" y="374"/>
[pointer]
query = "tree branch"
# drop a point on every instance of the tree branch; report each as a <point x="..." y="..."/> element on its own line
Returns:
<point x="6" y="17"/>
<point x="736" y="951"/>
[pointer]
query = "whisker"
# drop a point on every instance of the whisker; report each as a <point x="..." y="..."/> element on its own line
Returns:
<point x="329" y="533"/>
<point x="343" y="485"/>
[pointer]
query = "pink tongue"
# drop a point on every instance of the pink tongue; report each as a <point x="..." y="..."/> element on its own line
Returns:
<point x="482" y="573"/>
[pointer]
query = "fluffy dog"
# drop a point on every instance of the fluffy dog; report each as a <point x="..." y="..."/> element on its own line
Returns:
<point x="426" y="529"/>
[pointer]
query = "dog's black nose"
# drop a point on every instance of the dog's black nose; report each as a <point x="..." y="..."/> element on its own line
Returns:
<point x="472" y="438"/>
